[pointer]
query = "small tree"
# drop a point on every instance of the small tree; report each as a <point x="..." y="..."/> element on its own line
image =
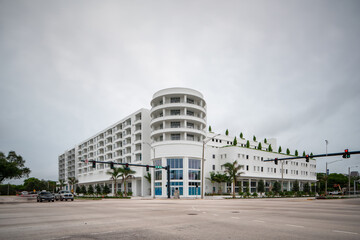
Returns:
<point x="106" y="189"/>
<point x="209" y="128"/>
<point x="280" y="150"/>
<point x="311" y="154"/>
<point x="91" y="190"/>
<point x="98" y="189"/>
<point x="276" y="187"/>
<point x="259" y="146"/>
<point x="270" y="148"/>
<point x="83" y="190"/>
<point x="261" y="186"/>
<point x="296" y="153"/>
<point x="248" y="144"/>
<point x="306" y="187"/>
<point x="296" y="186"/>
<point x="304" y="154"/>
<point x="241" y="135"/>
<point x="254" y="138"/>
<point x="78" y="190"/>
<point x="148" y="178"/>
<point x="212" y="179"/>
<point x="265" y="141"/>
<point x="227" y="132"/>
<point x="287" y="151"/>
<point x="235" y="141"/>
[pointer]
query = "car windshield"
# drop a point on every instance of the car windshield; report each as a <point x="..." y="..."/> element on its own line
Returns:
<point x="45" y="193"/>
<point x="65" y="191"/>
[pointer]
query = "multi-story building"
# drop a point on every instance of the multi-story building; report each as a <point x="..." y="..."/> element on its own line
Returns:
<point x="174" y="133"/>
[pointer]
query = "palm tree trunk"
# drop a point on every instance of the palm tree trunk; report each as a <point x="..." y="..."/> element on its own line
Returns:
<point x="115" y="194"/>
<point x="233" y="188"/>
<point x="125" y="192"/>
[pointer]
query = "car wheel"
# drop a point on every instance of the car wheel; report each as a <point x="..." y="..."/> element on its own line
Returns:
<point x="61" y="199"/>
<point x="37" y="200"/>
<point x="65" y="199"/>
<point x="53" y="200"/>
<point x="40" y="200"/>
<point x="72" y="199"/>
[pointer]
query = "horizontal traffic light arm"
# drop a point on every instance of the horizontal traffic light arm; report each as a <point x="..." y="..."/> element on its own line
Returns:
<point x="314" y="156"/>
<point x="129" y="164"/>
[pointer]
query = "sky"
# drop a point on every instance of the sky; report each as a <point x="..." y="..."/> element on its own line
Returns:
<point x="274" y="69"/>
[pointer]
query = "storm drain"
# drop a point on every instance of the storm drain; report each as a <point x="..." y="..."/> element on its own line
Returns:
<point x="235" y="212"/>
<point x="192" y="213"/>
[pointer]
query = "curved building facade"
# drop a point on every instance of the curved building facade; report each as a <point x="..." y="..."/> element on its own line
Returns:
<point x="178" y="123"/>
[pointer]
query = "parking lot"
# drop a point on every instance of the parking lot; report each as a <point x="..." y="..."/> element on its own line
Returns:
<point x="181" y="219"/>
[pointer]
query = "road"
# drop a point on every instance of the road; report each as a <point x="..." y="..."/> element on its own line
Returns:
<point x="182" y="219"/>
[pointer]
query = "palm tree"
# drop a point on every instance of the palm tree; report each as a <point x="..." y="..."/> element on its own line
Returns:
<point x="148" y="178"/>
<point x="61" y="183"/>
<point x="72" y="181"/>
<point x="114" y="173"/>
<point x="125" y="173"/>
<point x="232" y="169"/>
<point x="212" y="179"/>
<point x="221" y="178"/>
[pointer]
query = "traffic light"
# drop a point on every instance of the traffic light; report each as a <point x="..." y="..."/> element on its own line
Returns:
<point x="94" y="164"/>
<point x="307" y="158"/>
<point x="147" y="168"/>
<point x="111" y="165"/>
<point x="346" y="154"/>
<point x="126" y="166"/>
<point x="276" y="161"/>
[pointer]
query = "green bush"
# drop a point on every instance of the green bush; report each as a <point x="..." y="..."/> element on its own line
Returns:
<point x="255" y="194"/>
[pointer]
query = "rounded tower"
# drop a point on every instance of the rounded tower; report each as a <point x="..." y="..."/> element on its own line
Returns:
<point x="178" y="123"/>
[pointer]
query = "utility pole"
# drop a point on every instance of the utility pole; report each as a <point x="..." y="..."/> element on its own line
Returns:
<point x="349" y="182"/>
<point x="326" y="177"/>
<point x="282" y="176"/>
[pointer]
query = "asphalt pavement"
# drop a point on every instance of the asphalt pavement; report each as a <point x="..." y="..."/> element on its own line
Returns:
<point x="298" y="218"/>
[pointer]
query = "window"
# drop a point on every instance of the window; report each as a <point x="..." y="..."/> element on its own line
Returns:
<point x="190" y="125"/>
<point x="176" y="174"/>
<point x="213" y="156"/>
<point x="247" y="167"/>
<point x="175" y="136"/>
<point x="190" y="137"/>
<point x="247" y="156"/>
<point x="194" y="164"/>
<point x="214" y="167"/>
<point x="189" y="100"/>
<point x="189" y="113"/>
<point x="194" y="174"/>
<point x="175" y="99"/>
<point x="274" y="170"/>
<point x="175" y="124"/>
<point x="194" y="188"/>
<point x="262" y="169"/>
<point x="174" y="112"/>
<point x="175" y="162"/>
<point x="158" y="175"/>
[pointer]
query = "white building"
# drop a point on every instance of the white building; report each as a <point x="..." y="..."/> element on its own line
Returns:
<point x="172" y="133"/>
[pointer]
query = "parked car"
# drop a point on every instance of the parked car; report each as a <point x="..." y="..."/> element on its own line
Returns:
<point x="45" y="196"/>
<point x="64" y="195"/>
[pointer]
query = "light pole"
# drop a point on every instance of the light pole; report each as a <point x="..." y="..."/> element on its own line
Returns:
<point x="326" y="172"/>
<point x="154" y="168"/>
<point x="349" y="180"/>
<point x="202" y="164"/>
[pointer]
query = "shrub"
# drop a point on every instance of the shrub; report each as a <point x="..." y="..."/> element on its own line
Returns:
<point x="255" y="194"/>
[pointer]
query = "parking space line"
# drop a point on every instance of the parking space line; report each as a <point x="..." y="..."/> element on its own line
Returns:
<point x="291" y="225"/>
<point x="338" y="231"/>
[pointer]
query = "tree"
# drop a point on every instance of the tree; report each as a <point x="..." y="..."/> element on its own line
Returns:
<point x="304" y="154"/>
<point x="296" y="153"/>
<point x="265" y="141"/>
<point x="61" y="183"/>
<point x="148" y="178"/>
<point x="280" y="150"/>
<point x="31" y="184"/>
<point x="306" y="187"/>
<point x="91" y="190"/>
<point x="221" y="178"/>
<point x="296" y="186"/>
<point x="241" y="135"/>
<point x="232" y="169"/>
<point x="270" y="148"/>
<point x="235" y="141"/>
<point x="276" y="187"/>
<point x="78" y="190"/>
<point x="12" y="166"/>
<point x="254" y="138"/>
<point x="248" y="144"/>
<point x="209" y="128"/>
<point x="98" y="189"/>
<point x="83" y="190"/>
<point x="72" y="181"/>
<point x="261" y="186"/>
<point x="287" y="151"/>
<point x="125" y="174"/>
<point x="212" y="179"/>
<point x="227" y="132"/>
<point x="259" y="146"/>
<point x="311" y="154"/>
<point x="114" y="173"/>
<point x="106" y="189"/>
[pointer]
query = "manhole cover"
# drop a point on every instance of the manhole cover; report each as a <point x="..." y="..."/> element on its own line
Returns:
<point x="235" y="212"/>
<point x="192" y="213"/>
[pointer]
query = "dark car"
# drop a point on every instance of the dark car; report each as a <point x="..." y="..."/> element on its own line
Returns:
<point x="45" y="196"/>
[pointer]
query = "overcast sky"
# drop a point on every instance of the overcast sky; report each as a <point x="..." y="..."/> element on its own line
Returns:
<point x="283" y="69"/>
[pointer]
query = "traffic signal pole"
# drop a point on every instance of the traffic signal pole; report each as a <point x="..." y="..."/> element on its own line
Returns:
<point x="168" y="180"/>
<point x="346" y="153"/>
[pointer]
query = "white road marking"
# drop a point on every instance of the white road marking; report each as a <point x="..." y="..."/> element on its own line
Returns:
<point x="235" y="217"/>
<point x="290" y="225"/>
<point x="258" y="221"/>
<point x="107" y="232"/>
<point x="345" y="232"/>
<point x="204" y="212"/>
<point x="215" y="215"/>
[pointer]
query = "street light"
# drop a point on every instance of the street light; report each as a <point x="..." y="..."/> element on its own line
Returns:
<point x="154" y="164"/>
<point x="202" y="164"/>
<point x="327" y="174"/>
